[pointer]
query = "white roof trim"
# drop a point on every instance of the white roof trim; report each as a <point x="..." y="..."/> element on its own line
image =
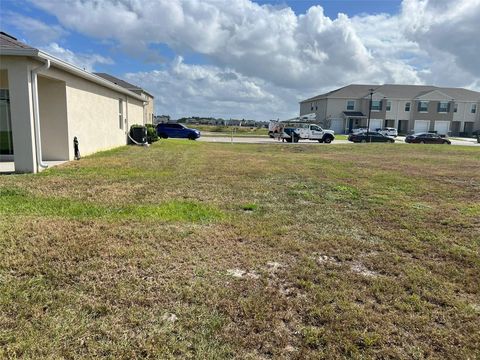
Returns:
<point x="428" y="96"/>
<point x="38" y="54"/>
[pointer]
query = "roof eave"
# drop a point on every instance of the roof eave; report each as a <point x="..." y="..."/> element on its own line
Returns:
<point x="87" y="75"/>
<point x="18" y="52"/>
<point x="39" y="55"/>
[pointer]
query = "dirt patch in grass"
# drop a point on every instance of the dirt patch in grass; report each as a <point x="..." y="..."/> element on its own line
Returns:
<point x="198" y="250"/>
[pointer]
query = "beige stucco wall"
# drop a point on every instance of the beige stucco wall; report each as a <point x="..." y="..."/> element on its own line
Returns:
<point x="20" y="88"/>
<point x="93" y="114"/>
<point x="69" y="106"/>
<point x="3" y="79"/>
<point x="135" y="112"/>
<point x="149" y="110"/>
<point x="53" y="119"/>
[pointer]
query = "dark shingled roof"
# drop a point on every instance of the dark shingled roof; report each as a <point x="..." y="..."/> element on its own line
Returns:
<point x="118" y="81"/>
<point x="9" y="42"/>
<point x="395" y="91"/>
<point x="123" y="83"/>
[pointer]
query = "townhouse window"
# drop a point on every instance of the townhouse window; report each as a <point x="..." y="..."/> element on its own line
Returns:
<point x="389" y="106"/>
<point x="423" y="106"/>
<point x="120" y="113"/>
<point x="455" y="107"/>
<point x="311" y="107"/>
<point x="376" y="105"/>
<point x="443" y="107"/>
<point x="474" y="108"/>
<point x="407" y="106"/>
<point x="350" y="105"/>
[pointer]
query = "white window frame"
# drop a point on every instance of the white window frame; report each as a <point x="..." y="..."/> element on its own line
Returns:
<point x="440" y="106"/>
<point x="473" y="109"/>
<point x="455" y="107"/>
<point x="419" y="108"/>
<point x="388" y="106"/>
<point x="379" y="103"/>
<point x="354" y="103"/>
<point x="120" y="113"/>
<point x="409" y="106"/>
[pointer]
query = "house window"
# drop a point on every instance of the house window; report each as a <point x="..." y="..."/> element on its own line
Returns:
<point x="407" y="106"/>
<point x="350" y="105"/>
<point x="423" y="106"/>
<point x="443" y="107"/>
<point x="6" y="138"/>
<point x="455" y="107"/>
<point x="376" y="105"/>
<point x="389" y="105"/>
<point x="120" y="113"/>
<point x="311" y="107"/>
<point x="474" y="108"/>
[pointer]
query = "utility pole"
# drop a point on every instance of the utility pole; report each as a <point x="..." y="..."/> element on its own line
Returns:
<point x="369" y="114"/>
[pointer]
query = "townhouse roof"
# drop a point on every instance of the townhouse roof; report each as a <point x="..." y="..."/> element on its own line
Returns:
<point x="394" y="91"/>
<point x="123" y="83"/>
<point x="10" y="46"/>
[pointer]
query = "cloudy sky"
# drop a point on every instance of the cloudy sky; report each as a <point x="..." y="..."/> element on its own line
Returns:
<point x="255" y="59"/>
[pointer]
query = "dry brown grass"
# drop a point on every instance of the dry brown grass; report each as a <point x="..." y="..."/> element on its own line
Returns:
<point x="345" y="251"/>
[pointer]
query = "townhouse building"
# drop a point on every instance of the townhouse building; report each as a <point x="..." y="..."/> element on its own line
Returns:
<point x="408" y="108"/>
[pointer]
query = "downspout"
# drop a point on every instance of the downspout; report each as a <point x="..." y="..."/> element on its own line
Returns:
<point x="36" y="113"/>
<point x="127" y="130"/>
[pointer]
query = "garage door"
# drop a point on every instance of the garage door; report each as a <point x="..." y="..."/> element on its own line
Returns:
<point x="421" y="126"/>
<point x="338" y="126"/>
<point x="442" y="127"/>
<point x="376" y="124"/>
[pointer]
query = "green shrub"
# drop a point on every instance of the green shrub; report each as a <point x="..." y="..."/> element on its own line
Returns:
<point x="151" y="133"/>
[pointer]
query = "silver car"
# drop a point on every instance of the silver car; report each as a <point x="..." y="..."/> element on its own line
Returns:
<point x="388" y="131"/>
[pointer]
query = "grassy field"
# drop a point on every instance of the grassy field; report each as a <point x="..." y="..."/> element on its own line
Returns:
<point x="216" y="251"/>
<point x="227" y="130"/>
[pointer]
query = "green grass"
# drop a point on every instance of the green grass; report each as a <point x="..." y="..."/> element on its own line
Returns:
<point x="15" y="202"/>
<point x="260" y="251"/>
<point x="238" y="130"/>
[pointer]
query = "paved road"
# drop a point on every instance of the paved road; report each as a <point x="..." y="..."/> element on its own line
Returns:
<point x="267" y="140"/>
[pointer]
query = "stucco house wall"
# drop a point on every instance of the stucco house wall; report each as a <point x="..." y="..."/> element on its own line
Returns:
<point x="69" y="105"/>
<point x="93" y="113"/>
<point x="53" y="119"/>
<point x="148" y="110"/>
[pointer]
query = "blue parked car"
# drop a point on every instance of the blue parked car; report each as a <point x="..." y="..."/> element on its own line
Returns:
<point x="177" y="131"/>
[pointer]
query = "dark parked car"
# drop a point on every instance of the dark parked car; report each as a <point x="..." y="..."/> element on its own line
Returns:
<point x="426" y="138"/>
<point x="370" y="137"/>
<point x="177" y="131"/>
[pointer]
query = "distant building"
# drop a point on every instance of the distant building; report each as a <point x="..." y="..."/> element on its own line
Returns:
<point x="409" y="108"/>
<point x="159" y="119"/>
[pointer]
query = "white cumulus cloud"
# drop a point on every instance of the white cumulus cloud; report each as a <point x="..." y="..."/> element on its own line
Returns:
<point x="263" y="59"/>
<point x="84" y="61"/>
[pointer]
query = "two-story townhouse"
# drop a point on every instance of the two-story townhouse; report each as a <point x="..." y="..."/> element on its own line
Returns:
<point x="409" y="108"/>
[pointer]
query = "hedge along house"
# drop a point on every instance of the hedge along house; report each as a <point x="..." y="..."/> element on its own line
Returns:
<point x="46" y="102"/>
